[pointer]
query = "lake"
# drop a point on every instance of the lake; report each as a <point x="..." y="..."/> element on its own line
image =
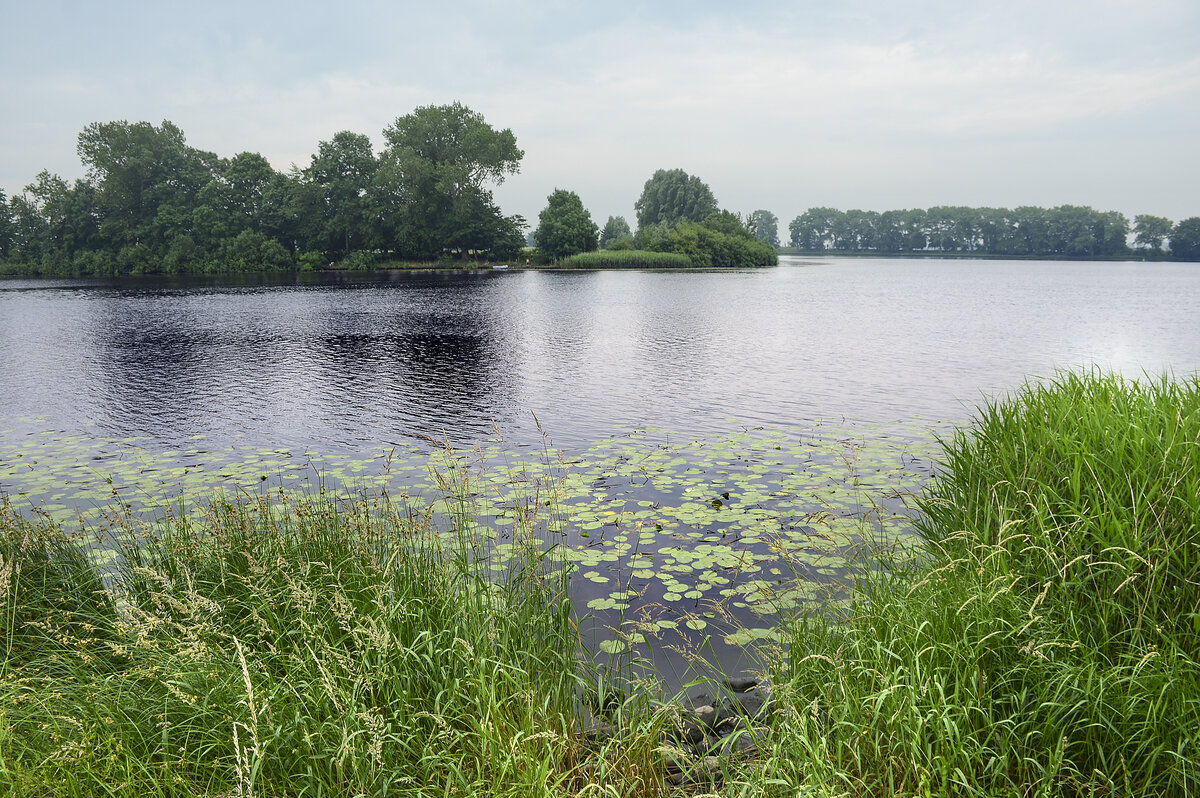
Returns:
<point x="698" y="425"/>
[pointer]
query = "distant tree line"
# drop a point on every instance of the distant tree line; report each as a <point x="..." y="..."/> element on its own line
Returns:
<point x="151" y="203"/>
<point x="1065" y="231"/>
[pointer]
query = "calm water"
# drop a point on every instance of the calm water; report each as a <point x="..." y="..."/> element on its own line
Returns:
<point x="345" y="362"/>
<point x="744" y="382"/>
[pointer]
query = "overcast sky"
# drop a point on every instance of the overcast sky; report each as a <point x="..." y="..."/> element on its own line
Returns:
<point x="777" y="105"/>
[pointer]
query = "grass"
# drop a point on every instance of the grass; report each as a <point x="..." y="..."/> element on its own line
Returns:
<point x="1043" y="638"/>
<point x="274" y="647"/>
<point x="626" y="259"/>
<point x="1039" y="639"/>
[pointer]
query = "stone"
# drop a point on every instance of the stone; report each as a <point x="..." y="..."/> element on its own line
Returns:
<point x="740" y="684"/>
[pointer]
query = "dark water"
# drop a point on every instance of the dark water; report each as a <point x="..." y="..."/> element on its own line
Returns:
<point x="342" y="362"/>
<point x="143" y="385"/>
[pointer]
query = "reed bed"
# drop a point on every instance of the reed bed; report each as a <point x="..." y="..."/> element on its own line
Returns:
<point x="1042" y="639"/>
<point x="626" y="259"/>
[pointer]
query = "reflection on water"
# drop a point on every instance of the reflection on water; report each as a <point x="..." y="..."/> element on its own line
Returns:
<point x="345" y="361"/>
<point x="226" y="384"/>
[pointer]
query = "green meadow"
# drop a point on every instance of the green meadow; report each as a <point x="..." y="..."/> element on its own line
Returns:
<point x="1021" y="619"/>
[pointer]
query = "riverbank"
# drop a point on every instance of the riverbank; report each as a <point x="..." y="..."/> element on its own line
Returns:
<point x="1040" y="638"/>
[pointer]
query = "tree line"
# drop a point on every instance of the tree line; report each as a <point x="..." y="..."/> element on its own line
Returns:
<point x="1064" y="231"/>
<point x="151" y="203"/>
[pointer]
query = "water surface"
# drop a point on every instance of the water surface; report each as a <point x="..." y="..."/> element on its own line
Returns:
<point x="698" y="424"/>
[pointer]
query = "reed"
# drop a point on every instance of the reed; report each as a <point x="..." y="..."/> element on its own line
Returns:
<point x="626" y="259"/>
<point x="283" y="647"/>
<point x="1041" y="639"/>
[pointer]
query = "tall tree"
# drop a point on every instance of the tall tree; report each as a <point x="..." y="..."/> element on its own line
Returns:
<point x="1149" y="232"/>
<point x="671" y="196"/>
<point x="765" y="225"/>
<point x="335" y="206"/>
<point x="1185" y="239"/>
<point x="564" y="226"/>
<point x="615" y="229"/>
<point x="147" y="181"/>
<point x="814" y="229"/>
<point x="432" y="188"/>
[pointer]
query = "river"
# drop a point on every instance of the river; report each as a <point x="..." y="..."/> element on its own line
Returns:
<point x="696" y="420"/>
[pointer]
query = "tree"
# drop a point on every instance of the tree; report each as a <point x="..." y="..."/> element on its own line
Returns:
<point x="1185" y="239"/>
<point x="727" y="223"/>
<point x="147" y="180"/>
<point x="765" y="225"/>
<point x="1149" y="232"/>
<point x="333" y="200"/>
<point x="564" y="226"/>
<point x="671" y="196"/>
<point x="6" y="225"/>
<point x="432" y="182"/>
<point x="615" y="229"/>
<point x="813" y="230"/>
<point x="245" y="195"/>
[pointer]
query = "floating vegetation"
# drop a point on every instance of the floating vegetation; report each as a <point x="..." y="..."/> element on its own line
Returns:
<point x="707" y="538"/>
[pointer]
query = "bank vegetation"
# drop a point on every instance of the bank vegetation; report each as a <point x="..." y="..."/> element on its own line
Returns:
<point x="1040" y="637"/>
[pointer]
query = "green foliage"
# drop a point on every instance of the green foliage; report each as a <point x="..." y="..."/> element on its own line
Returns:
<point x="431" y="183"/>
<point x="706" y="246"/>
<point x="1065" y="231"/>
<point x="274" y="648"/>
<point x="6" y="226"/>
<point x="1185" y="239"/>
<point x="52" y="600"/>
<point x="619" y="258"/>
<point x="1149" y="232"/>
<point x="721" y="240"/>
<point x="1043" y="639"/>
<point x="358" y="261"/>
<point x="764" y="225"/>
<point x="152" y="204"/>
<point x="330" y="195"/>
<point x="671" y="196"/>
<point x="727" y="223"/>
<point x="564" y="226"/>
<point x="147" y="182"/>
<point x="616" y="229"/>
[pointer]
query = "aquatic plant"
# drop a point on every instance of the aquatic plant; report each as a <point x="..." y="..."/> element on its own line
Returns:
<point x="626" y="259"/>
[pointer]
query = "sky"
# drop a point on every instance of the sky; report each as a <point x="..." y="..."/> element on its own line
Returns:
<point x="781" y="106"/>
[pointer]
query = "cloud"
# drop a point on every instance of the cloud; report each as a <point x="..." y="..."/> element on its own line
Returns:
<point x="774" y="104"/>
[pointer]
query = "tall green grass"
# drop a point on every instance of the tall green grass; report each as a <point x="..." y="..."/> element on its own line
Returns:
<point x="626" y="259"/>
<point x="1043" y="637"/>
<point x="276" y="647"/>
